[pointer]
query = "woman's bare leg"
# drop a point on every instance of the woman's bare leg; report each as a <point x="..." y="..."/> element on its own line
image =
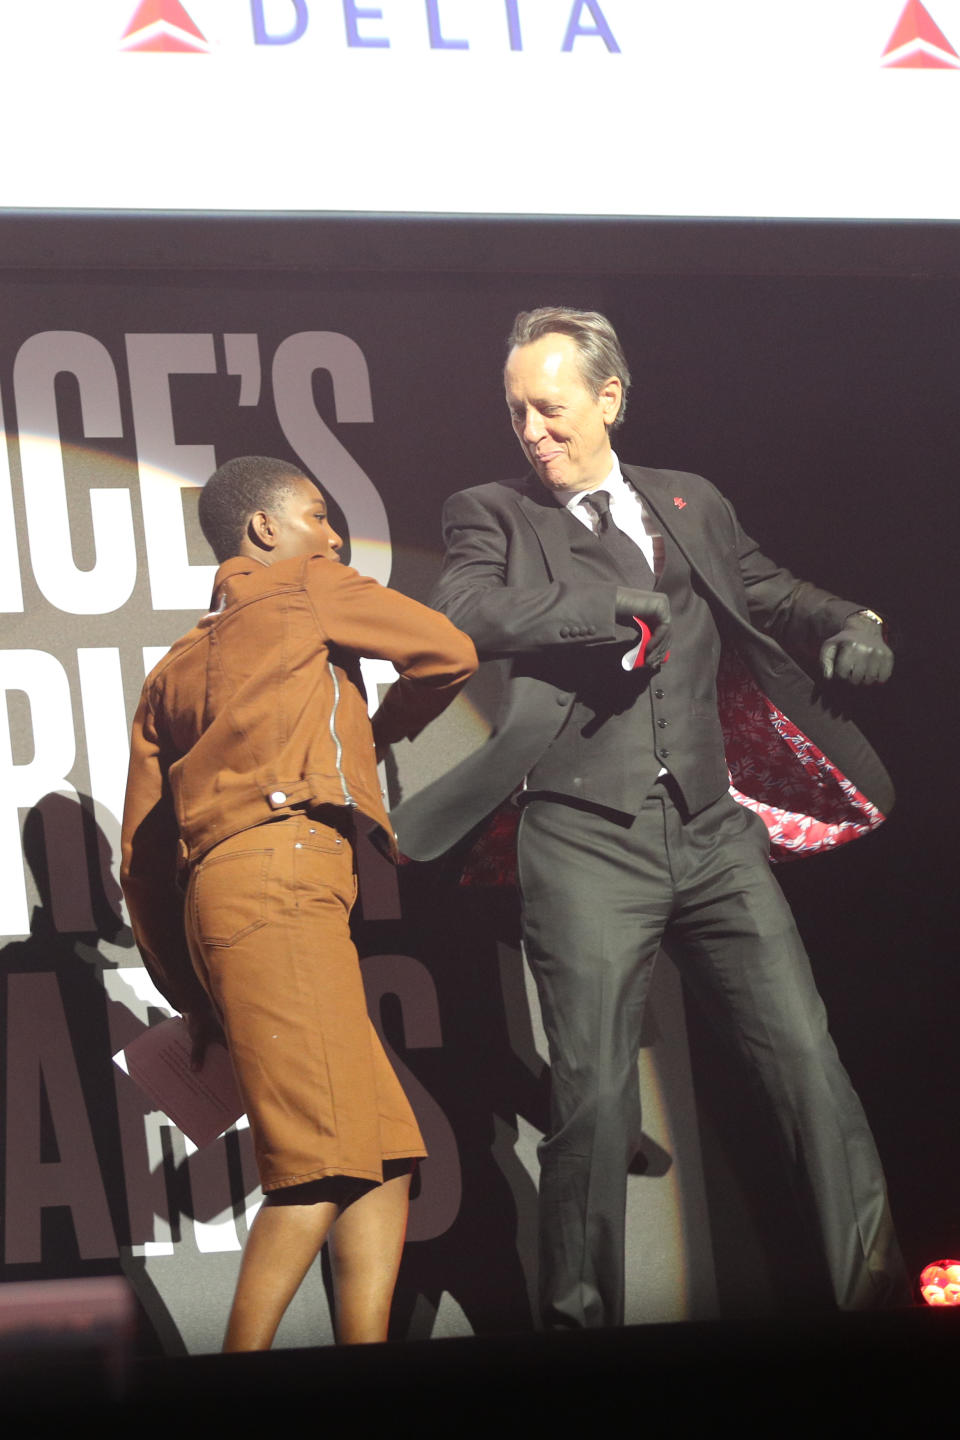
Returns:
<point x="365" y="1246"/>
<point x="284" y="1241"/>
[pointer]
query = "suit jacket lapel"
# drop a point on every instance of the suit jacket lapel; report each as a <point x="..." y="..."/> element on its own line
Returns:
<point x="550" y="526"/>
<point x="685" y="530"/>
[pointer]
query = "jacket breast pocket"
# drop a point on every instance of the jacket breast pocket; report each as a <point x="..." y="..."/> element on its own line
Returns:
<point x="229" y="896"/>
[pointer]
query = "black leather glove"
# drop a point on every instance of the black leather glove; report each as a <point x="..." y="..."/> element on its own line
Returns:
<point x="858" y="654"/>
<point x="654" y="608"/>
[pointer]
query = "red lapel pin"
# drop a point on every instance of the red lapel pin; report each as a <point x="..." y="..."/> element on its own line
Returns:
<point x="679" y="501"/>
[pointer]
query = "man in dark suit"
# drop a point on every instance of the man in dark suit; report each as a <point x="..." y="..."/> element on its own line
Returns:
<point x="647" y="642"/>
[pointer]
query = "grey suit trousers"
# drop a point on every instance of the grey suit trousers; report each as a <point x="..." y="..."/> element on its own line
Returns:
<point x="599" y="897"/>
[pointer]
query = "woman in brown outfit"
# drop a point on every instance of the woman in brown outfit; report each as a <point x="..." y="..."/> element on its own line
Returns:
<point x="252" y="754"/>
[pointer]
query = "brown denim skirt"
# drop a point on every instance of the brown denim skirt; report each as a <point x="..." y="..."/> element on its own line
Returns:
<point x="267" y="921"/>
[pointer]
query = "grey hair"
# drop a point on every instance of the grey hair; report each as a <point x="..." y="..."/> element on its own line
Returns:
<point x="599" y="352"/>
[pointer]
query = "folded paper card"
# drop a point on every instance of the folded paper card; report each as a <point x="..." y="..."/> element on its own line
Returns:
<point x="202" y="1103"/>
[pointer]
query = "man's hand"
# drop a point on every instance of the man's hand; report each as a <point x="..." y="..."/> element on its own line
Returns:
<point x="204" y="1028"/>
<point x="649" y="605"/>
<point x="858" y="654"/>
<point x="654" y="609"/>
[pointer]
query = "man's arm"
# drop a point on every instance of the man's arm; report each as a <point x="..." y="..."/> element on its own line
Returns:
<point x="848" y="640"/>
<point x="504" y="618"/>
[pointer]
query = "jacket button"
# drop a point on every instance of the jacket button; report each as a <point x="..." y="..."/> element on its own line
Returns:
<point x="278" y="797"/>
<point x="663" y="753"/>
<point x="564" y="631"/>
<point x="658" y="694"/>
<point x="663" y="724"/>
<point x="562" y="699"/>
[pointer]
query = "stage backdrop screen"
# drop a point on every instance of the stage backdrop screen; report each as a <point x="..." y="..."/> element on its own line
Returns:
<point x="839" y="109"/>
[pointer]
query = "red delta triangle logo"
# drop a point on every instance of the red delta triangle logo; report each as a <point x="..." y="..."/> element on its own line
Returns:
<point x="918" y="43"/>
<point x="163" y="25"/>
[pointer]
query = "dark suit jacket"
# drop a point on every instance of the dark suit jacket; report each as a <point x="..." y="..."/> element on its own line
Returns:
<point x="508" y="581"/>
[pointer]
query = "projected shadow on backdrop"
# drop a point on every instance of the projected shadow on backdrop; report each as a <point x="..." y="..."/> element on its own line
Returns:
<point x="489" y="1080"/>
<point x="66" y="1188"/>
<point x="486" y="1075"/>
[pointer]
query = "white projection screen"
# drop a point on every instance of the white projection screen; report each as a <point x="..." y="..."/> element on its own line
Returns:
<point x="808" y="109"/>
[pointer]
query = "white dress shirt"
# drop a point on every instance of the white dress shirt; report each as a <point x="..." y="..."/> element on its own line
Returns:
<point x="628" y="513"/>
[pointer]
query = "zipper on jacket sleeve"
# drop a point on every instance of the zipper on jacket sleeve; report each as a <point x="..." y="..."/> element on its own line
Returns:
<point x="348" y="798"/>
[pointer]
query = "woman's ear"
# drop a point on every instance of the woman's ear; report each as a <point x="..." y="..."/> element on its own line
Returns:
<point x="261" y="530"/>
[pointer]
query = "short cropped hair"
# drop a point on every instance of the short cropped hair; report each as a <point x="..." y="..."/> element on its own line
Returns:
<point x="235" y="491"/>
<point x="598" y="350"/>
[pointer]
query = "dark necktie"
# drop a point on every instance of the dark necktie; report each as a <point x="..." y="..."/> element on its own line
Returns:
<point x="628" y="557"/>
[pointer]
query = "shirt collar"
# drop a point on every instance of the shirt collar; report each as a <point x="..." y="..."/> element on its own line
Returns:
<point x="613" y="484"/>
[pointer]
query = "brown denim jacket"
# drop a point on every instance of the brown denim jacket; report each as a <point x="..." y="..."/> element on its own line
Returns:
<point x="260" y="708"/>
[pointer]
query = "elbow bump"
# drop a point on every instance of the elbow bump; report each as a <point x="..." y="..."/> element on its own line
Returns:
<point x="463" y="653"/>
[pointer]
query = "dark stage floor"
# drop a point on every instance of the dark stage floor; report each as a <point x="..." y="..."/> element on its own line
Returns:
<point x="771" y="1376"/>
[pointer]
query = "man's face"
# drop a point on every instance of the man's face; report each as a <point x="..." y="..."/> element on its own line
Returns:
<point x="300" y="525"/>
<point x="561" y="425"/>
